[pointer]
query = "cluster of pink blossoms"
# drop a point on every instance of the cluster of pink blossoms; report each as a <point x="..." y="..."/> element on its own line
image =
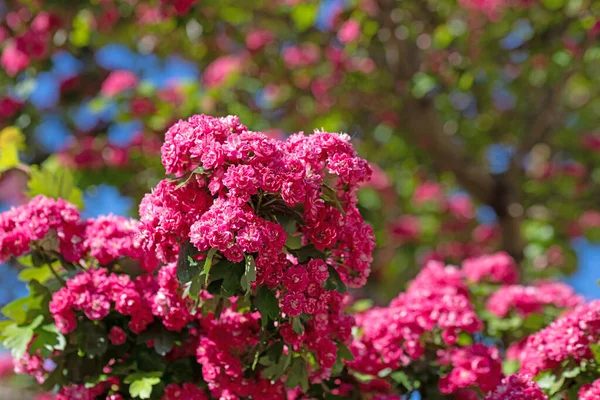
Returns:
<point x="108" y="238"/>
<point x="233" y="192"/>
<point x="590" y="391"/>
<point x="494" y="268"/>
<point x="96" y="293"/>
<point x="566" y="339"/>
<point x="26" y="227"/>
<point x="436" y="302"/>
<point x="517" y="387"/>
<point x="474" y="366"/>
<point x="31" y="37"/>
<point x="227" y="341"/>
<point x="526" y="300"/>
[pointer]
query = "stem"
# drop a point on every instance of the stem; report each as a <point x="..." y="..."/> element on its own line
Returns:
<point x="56" y="275"/>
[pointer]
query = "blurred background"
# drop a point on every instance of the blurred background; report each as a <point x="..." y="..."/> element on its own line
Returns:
<point x="479" y="117"/>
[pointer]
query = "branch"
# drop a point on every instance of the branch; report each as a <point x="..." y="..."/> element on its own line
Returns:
<point x="424" y="127"/>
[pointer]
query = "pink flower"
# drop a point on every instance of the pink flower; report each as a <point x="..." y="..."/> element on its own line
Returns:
<point x="495" y="268"/>
<point x="220" y="70"/>
<point x="117" y="82"/>
<point x="117" y="336"/>
<point x="293" y="304"/>
<point x="349" y="31"/>
<point x="517" y="387"/>
<point x="590" y="391"/>
<point x="13" y="60"/>
<point x="256" y="39"/>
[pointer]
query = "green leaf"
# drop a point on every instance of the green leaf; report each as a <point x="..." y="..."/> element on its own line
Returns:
<point x="306" y="253"/>
<point x="267" y="305"/>
<point x="510" y="367"/>
<point x="422" y="84"/>
<point x="129" y="379"/>
<point x="208" y="262"/>
<point x="297" y="325"/>
<point x="403" y="379"/>
<point x="39" y="274"/>
<point x="92" y="340"/>
<point x="304" y="15"/>
<point x="231" y="281"/>
<point x="275" y="371"/>
<point x="464" y="339"/>
<point x="334" y="281"/>
<point x="249" y="274"/>
<point x="55" y="181"/>
<point x="298" y="375"/>
<point x="11" y="141"/>
<point x="344" y="352"/>
<point x="17" y="338"/>
<point x="48" y="339"/>
<point x="596" y="352"/>
<point x="187" y="268"/>
<point x="142" y="388"/>
<point x="554" y="4"/>
<point x="442" y="37"/>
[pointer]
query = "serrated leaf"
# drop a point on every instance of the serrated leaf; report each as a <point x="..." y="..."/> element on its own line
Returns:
<point x="54" y="181"/>
<point x="334" y="281"/>
<point x="17" y="338"/>
<point x="276" y="371"/>
<point x="298" y="375"/>
<point x="208" y="262"/>
<point x="403" y="379"/>
<point x="267" y="305"/>
<point x="306" y="253"/>
<point x="249" y="274"/>
<point x="344" y="352"/>
<point x="187" y="270"/>
<point x="297" y="325"/>
<point x="142" y="388"/>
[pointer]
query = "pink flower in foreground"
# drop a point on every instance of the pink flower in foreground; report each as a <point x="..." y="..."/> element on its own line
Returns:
<point x="517" y="387"/>
<point x="590" y="391"/>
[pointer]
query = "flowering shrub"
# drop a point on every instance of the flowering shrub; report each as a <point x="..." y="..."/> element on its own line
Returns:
<point x="233" y="285"/>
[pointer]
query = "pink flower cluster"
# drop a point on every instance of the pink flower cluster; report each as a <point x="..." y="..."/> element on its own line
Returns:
<point x="96" y="293"/>
<point x="255" y="179"/>
<point x="590" y="391"/>
<point x="567" y="338"/>
<point x="526" y="300"/>
<point x="517" y="387"/>
<point x="223" y="344"/>
<point x="436" y="303"/>
<point x="108" y="238"/>
<point x="497" y="268"/>
<point x="31" y="39"/>
<point x="474" y="366"/>
<point x="53" y="225"/>
<point x="237" y="188"/>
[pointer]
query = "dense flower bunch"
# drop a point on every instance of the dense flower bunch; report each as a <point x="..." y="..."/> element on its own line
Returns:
<point x="590" y="391"/>
<point x="234" y="195"/>
<point x="525" y="300"/>
<point x="45" y="223"/>
<point x="517" y="387"/>
<point x="473" y="366"/>
<point x="431" y="313"/>
<point x="232" y="285"/>
<point x="566" y="339"/>
<point x="495" y="268"/>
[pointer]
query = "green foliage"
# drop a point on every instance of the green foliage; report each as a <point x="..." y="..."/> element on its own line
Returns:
<point x="53" y="180"/>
